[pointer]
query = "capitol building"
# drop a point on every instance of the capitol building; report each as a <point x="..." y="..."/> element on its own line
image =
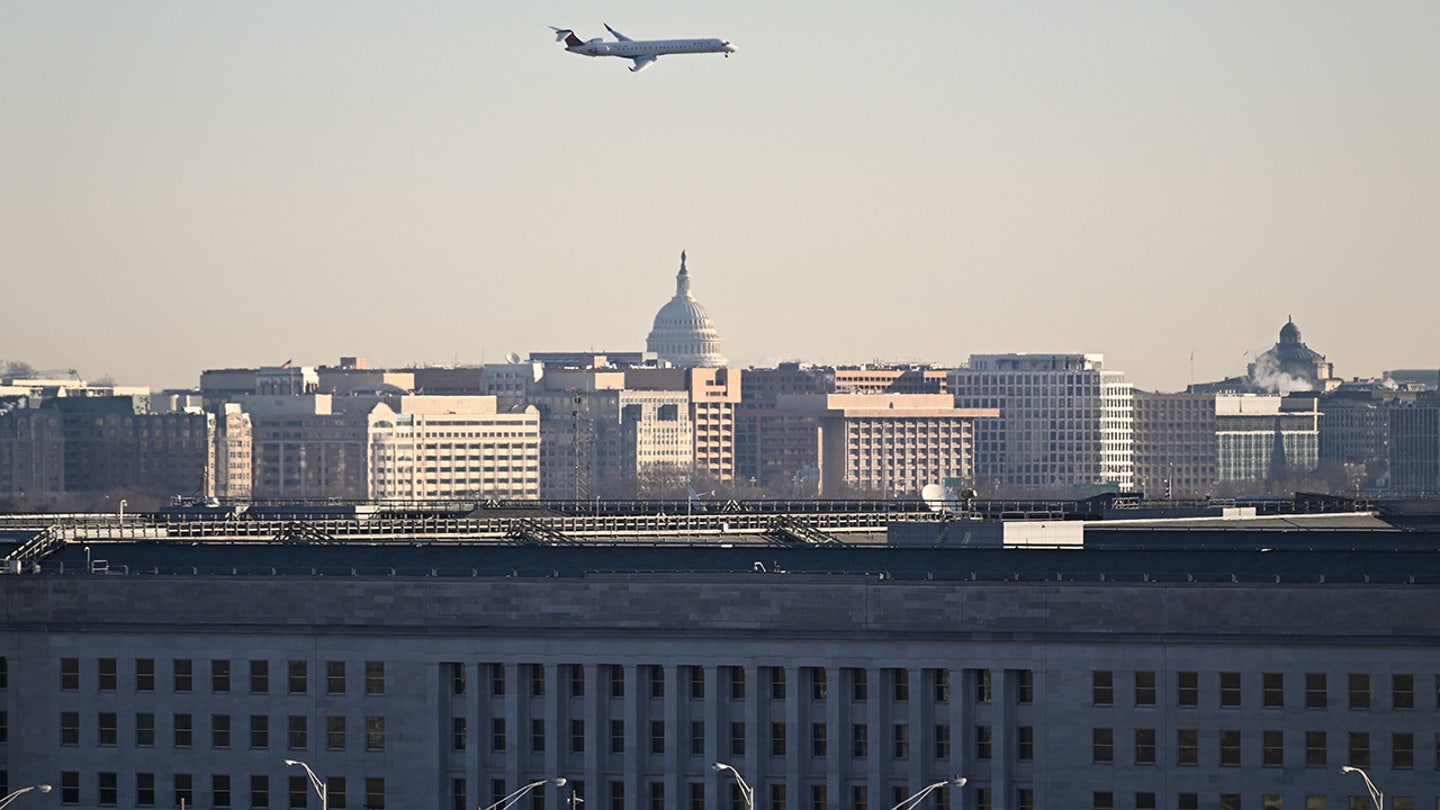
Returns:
<point x="684" y="334"/>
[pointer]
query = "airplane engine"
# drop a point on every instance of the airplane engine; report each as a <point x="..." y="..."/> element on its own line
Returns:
<point x="595" y="40"/>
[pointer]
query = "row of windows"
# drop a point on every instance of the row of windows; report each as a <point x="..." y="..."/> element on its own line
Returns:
<point x="221" y="672"/>
<point x="735" y="743"/>
<point x="1231" y="745"/>
<point x="222" y="788"/>
<point x="1105" y="800"/>
<point x="856" y="680"/>
<point x="221" y="731"/>
<point x="1359" y="689"/>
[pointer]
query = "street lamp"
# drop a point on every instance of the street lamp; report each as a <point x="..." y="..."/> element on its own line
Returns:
<point x="914" y="801"/>
<point x="509" y="801"/>
<point x="8" y="799"/>
<point x="1375" y="795"/>
<point x="123" y="503"/>
<point x="745" y="792"/>
<point x="314" y="782"/>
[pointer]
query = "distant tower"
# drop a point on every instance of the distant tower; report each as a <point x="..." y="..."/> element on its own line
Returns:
<point x="683" y="333"/>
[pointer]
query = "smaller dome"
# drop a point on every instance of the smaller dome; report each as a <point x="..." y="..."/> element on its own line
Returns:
<point x="1290" y="333"/>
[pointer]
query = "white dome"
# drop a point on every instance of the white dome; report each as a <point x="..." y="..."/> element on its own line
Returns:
<point x="683" y="333"/>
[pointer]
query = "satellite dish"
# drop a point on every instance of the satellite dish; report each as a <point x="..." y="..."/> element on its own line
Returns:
<point x="512" y="358"/>
<point x="936" y="497"/>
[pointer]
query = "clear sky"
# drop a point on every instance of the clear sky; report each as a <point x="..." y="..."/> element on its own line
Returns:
<point x="189" y="185"/>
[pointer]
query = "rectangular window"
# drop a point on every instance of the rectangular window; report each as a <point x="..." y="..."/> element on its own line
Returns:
<point x="697" y="738"/>
<point x="1359" y="690"/>
<point x="1272" y="748"/>
<point x="1317" y="694"/>
<point x="1187" y="801"/>
<point x="375" y="679"/>
<point x="819" y="744"/>
<point x="537" y="679"/>
<point x="1230" y="690"/>
<point x="617" y="795"/>
<point x="818" y="684"/>
<point x="145" y="790"/>
<point x="457" y="678"/>
<point x="1272" y="685"/>
<point x="184" y="729"/>
<point x="899" y="685"/>
<point x="1402" y="751"/>
<point x="657" y="736"/>
<point x="657" y="680"/>
<point x="1360" y="749"/>
<point x="1024" y="687"/>
<point x="335" y="792"/>
<point x="577" y="680"/>
<point x="374" y="733"/>
<point x="107" y="734"/>
<point x="657" y="796"/>
<point x="457" y="734"/>
<point x="1316" y="802"/>
<point x="1102" y="745"/>
<point x="108" y="785"/>
<point x="298" y="677"/>
<point x="859" y="797"/>
<point x="1187" y="688"/>
<point x="219" y="731"/>
<point x="219" y="790"/>
<point x="69" y="728"/>
<point x="220" y="676"/>
<point x="184" y="790"/>
<point x="942" y="686"/>
<point x="144" y="730"/>
<point x="1229" y="801"/>
<point x="617" y="736"/>
<point x="982" y="686"/>
<point x="737" y="682"/>
<point x="777" y="739"/>
<point x="298" y="733"/>
<point x="537" y="735"/>
<point x="818" y="800"/>
<point x="259" y="732"/>
<point x="183" y="674"/>
<point x="109" y="675"/>
<point x="777" y="683"/>
<point x="1187" y="746"/>
<point x="335" y="733"/>
<point x="900" y="741"/>
<point x="697" y="682"/>
<point x="259" y="791"/>
<point x="982" y="742"/>
<point x="497" y="680"/>
<point x="777" y="796"/>
<point x="1315" y="749"/>
<point x="577" y="736"/>
<point x="497" y="734"/>
<point x="1144" y="746"/>
<point x="942" y="741"/>
<point x="737" y="739"/>
<point x="334" y="677"/>
<point x="617" y="681"/>
<point x="1145" y="688"/>
<point x="70" y="675"/>
<point x="859" y="740"/>
<point x="1102" y="687"/>
<point x="374" y="793"/>
<point x="145" y="682"/>
<point x="299" y="792"/>
<point x="70" y="786"/>
<point x="1402" y="691"/>
<point x="1102" y="800"/>
<point x="1145" y="801"/>
<point x="1229" y="747"/>
<point x="259" y="677"/>
<point x="859" y="685"/>
<point x="1024" y="743"/>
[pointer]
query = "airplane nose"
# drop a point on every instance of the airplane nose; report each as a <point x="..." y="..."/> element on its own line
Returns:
<point x="729" y="48"/>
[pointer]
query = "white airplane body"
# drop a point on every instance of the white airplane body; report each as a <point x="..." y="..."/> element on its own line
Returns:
<point x="642" y="52"/>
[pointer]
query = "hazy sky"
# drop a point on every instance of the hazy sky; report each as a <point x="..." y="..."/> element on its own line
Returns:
<point x="189" y="185"/>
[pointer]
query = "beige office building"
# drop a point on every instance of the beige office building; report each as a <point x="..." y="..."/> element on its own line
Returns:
<point x="453" y="447"/>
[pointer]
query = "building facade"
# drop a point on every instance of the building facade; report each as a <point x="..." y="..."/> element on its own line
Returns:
<point x="1175" y="445"/>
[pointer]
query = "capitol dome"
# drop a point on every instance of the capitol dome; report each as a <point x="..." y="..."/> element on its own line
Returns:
<point x="683" y="333"/>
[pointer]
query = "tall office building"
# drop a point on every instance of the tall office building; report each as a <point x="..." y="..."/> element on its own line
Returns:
<point x="1174" y="444"/>
<point x="1262" y="438"/>
<point x="1065" y="421"/>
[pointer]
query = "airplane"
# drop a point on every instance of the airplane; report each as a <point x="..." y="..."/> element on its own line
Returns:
<point x="642" y="52"/>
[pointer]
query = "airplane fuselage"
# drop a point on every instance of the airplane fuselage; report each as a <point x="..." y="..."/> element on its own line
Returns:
<point x="653" y="47"/>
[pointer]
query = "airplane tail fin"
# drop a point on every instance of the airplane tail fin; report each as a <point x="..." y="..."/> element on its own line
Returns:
<point x="567" y="36"/>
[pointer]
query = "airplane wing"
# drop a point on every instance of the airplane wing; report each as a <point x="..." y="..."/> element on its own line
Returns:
<point x="617" y="34"/>
<point x="642" y="62"/>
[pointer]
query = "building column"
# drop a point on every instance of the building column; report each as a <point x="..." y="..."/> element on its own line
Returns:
<point x="879" y="737"/>
<point x="837" y="721"/>
<point x="797" y="733"/>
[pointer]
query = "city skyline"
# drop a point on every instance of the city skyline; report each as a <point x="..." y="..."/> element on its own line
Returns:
<point x="234" y="186"/>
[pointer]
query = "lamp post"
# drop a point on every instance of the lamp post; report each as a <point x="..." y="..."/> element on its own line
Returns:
<point x="123" y="503"/>
<point x="746" y="792"/>
<point x="8" y="799"/>
<point x="314" y="782"/>
<point x="914" y="801"/>
<point x="1375" y="795"/>
<point x="509" y="801"/>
